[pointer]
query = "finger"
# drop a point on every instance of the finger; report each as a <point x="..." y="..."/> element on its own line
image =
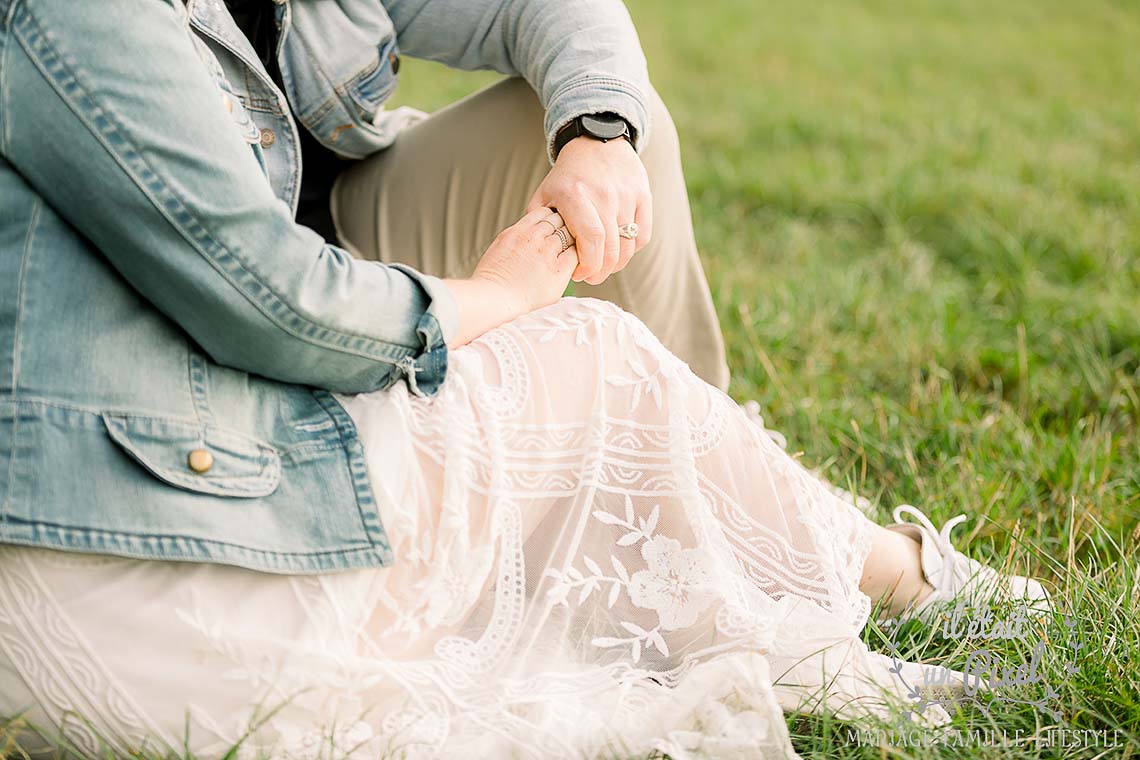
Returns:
<point x="627" y="251"/>
<point x="536" y="201"/>
<point x="644" y="220"/>
<point x="612" y="250"/>
<point x="566" y="262"/>
<point x="529" y="228"/>
<point x="628" y="248"/>
<point x="552" y="223"/>
<point x="551" y="245"/>
<point x="586" y="226"/>
<point x="530" y="218"/>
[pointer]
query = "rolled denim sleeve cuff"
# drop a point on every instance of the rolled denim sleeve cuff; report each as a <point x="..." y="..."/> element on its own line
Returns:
<point x="598" y="95"/>
<point x="425" y="372"/>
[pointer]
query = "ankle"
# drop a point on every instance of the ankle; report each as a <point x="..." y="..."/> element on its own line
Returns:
<point x="893" y="573"/>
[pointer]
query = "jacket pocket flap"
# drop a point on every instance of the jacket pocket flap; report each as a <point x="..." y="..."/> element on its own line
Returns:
<point x="374" y="84"/>
<point x="205" y="459"/>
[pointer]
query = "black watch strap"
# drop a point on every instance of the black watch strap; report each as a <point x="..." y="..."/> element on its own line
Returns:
<point x="599" y="126"/>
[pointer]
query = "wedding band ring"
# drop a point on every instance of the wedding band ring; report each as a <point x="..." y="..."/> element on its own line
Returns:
<point x="564" y="235"/>
<point x="553" y="226"/>
<point x="628" y="230"/>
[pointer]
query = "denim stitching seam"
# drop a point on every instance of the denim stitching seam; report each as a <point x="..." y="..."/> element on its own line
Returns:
<point x="14" y="446"/>
<point x="5" y="52"/>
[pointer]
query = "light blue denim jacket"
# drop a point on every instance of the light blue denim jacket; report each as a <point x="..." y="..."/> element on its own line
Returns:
<point x="156" y="297"/>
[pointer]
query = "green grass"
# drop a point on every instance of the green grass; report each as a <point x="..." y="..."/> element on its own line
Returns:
<point x="921" y="223"/>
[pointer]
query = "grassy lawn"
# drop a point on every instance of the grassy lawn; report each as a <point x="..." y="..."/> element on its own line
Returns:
<point x="921" y="221"/>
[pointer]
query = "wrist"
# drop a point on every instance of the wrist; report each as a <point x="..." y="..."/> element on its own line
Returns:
<point x="600" y="127"/>
<point x="585" y="145"/>
<point x="496" y="290"/>
<point x="483" y="302"/>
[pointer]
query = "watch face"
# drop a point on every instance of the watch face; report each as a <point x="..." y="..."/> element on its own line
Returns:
<point x="604" y="127"/>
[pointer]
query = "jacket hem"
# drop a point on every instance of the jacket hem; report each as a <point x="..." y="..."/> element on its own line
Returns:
<point x="191" y="549"/>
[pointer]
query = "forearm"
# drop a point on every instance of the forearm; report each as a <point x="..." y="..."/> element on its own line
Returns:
<point x="481" y="305"/>
<point x="580" y="56"/>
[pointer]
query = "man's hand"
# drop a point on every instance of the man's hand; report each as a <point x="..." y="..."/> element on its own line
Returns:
<point x="596" y="187"/>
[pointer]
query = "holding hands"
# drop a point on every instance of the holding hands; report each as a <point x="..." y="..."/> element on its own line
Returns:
<point x="600" y="188"/>
<point x="586" y="220"/>
<point x="526" y="267"/>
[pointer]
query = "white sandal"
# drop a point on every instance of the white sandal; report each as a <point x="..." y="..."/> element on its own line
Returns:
<point x="956" y="577"/>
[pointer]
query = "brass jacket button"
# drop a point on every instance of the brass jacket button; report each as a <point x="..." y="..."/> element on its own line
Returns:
<point x="200" y="461"/>
<point x="267" y="138"/>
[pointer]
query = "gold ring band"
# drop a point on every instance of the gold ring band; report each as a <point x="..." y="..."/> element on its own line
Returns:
<point x="564" y="235"/>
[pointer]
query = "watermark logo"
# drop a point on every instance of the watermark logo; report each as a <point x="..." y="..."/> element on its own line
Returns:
<point x="1054" y="737"/>
<point x="1005" y="653"/>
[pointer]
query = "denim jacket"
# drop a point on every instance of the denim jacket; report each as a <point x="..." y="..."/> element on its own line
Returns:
<point x="169" y="336"/>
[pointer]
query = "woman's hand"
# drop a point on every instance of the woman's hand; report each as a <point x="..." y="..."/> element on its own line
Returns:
<point x="524" y="269"/>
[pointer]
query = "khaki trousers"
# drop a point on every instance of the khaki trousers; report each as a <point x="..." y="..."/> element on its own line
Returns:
<point x="436" y="199"/>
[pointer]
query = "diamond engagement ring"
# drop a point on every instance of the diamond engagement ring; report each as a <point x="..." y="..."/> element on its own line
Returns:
<point x="628" y="230"/>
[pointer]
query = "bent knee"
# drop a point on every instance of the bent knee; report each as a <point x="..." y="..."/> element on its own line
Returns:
<point x="516" y="91"/>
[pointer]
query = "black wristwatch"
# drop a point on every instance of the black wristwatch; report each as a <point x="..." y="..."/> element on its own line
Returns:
<point x="600" y="126"/>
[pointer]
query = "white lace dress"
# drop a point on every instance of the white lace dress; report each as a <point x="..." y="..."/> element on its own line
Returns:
<point x="597" y="555"/>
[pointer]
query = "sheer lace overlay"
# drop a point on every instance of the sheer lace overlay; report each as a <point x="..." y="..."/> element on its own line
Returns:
<point x="597" y="555"/>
